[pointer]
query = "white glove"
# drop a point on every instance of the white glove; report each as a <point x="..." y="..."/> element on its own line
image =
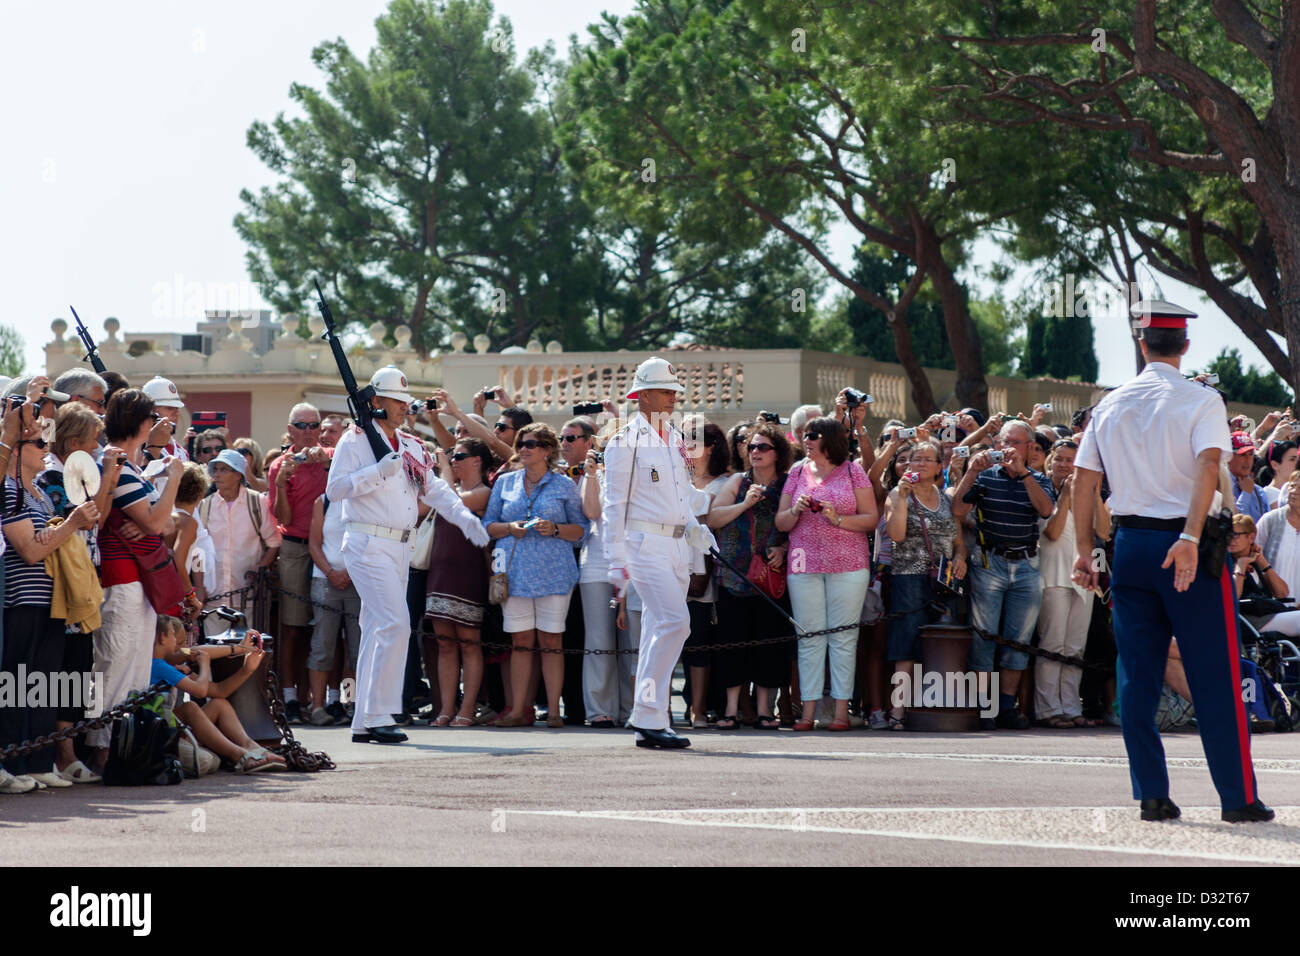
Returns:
<point x="700" y="538"/>
<point x="390" y="465"/>
<point x="618" y="578"/>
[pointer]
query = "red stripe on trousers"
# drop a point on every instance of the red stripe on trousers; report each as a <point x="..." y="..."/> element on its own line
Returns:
<point x="1234" y="658"/>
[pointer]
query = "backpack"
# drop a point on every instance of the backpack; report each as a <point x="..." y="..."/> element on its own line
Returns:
<point x="142" y="752"/>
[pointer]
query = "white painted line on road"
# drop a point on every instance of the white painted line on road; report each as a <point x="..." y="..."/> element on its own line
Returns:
<point x="644" y="817"/>
<point x="1267" y="765"/>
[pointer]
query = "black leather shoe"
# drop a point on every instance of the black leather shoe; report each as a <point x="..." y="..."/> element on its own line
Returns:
<point x="1012" y="720"/>
<point x="660" y="738"/>
<point x="380" y="735"/>
<point x="293" y="712"/>
<point x="402" y="719"/>
<point x="1251" y="813"/>
<point x="1161" y="808"/>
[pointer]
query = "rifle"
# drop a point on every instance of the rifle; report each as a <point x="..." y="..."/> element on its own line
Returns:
<point x="358" y="398"/>
<point x="92" y="353"/>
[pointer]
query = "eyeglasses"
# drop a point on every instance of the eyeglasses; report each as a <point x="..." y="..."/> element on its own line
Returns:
<point x="40" y="443"/>
<point x="461" y="456"/>
<point x="503" y="426"/>
<point x="303" y="426"/>
<point x="93" y="401"/>
<point x="572" y="438"/>
<point x="760" y="447"/>
<point x="925" y="461"/>
<point x="532" y="443"/>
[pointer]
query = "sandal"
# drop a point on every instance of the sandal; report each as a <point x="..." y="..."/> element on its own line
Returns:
<point x="895" y="723"/>
<point x="803" y="724"/>
<point x="838" y="725"/>
<point x="1082" y="721"/>
<point x="766" y="722"/>
<point x="277" y="762"/>
<point x="1059" y="722"/>
<point x="461" y="722"/>
<point x="442" y="720"/>
<point x="731" y="722"/>
<point x="78" y="772"/>
<point x="252" y="762"/>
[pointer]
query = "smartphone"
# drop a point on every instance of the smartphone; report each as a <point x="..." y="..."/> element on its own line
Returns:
<point x="491" y="392"/>
<point x="589" y="408"/>
<point x="1212" y="379"/>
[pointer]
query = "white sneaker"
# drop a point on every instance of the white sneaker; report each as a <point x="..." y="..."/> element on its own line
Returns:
<point x="51" y="780"/>
<point x="878" y="720"/>
<point x="11" y="784"/>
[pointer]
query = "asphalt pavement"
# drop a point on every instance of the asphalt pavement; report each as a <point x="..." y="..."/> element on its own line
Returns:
<point x="488" y="797"/>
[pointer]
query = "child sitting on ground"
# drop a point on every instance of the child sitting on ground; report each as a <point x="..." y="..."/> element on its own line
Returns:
<point x="209" y="714"/>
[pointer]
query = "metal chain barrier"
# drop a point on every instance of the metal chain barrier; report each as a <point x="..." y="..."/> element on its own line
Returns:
<point x="737" y="645"/>
<point x="131" y="704"/>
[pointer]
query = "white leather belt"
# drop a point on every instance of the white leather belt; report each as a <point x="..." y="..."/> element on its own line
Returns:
<point x="651" y="527"/>
<point x="379" y="531"/>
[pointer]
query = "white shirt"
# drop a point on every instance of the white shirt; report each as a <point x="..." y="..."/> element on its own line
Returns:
<point x="362" y="494"/>
<point x="331" y="540"/>
<point x="1146" y="435"/>
<point x="237" y="543"/>
<point x="660" y="491"/>
<point x="1281" y="546"/>
<point x="593" y="567"/>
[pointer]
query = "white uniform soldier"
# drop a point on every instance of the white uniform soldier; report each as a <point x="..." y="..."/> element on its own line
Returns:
<point x="380" y="508"/>
<point x="650" y="530"/>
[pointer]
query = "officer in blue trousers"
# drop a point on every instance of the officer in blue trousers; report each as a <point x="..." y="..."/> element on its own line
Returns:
<point x="1160" y="439"/>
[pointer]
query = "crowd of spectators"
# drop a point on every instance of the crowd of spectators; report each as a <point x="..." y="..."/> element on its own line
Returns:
<point x="870" y="537"/>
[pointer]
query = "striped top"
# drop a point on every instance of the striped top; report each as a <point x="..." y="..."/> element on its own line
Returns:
<point x="117" y="566"/>
<point x="1007" y="517"/>
<point x="26" y="584"/>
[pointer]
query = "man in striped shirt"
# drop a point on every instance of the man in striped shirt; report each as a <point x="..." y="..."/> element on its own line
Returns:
<point x="1008" y="499"/>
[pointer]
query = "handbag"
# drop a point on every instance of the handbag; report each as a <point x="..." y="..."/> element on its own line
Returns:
<point x="946" y="585"/>
<point x="1212" y="549"/>
<point x="760" y="573"/>
<point x="499" y="584"/>
<point x="158" y="575"/>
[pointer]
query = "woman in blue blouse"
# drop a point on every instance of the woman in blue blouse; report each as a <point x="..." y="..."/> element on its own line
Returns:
<point x="536" y="514"/>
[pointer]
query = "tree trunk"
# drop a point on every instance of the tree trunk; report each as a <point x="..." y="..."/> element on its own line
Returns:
<point x="922" y="393"/>
<point x="963" y="336"/>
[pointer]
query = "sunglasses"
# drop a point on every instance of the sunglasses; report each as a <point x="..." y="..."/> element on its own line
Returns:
<point x="212" y="450"/>
<point x="461" y="456"/>
<point x="572" y="438"/>
<point x="40" y="443"/>
<point x="303" y="426"/>
<point x="760" y="447"/>
<point x="503" y="427"/>
<point x="247" y="453"/>
<point x="531" y="443"/>
<point x="812" y="436"/>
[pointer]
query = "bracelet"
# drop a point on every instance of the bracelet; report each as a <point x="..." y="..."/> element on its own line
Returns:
<point x="1188" y="537"/>
<point x="1266" y="569"/>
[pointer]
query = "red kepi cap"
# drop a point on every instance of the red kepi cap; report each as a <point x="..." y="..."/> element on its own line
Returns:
<point x="1158" y="314"/>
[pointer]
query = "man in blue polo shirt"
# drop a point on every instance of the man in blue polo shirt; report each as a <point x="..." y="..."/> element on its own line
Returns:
<point x="1008" y="499"/>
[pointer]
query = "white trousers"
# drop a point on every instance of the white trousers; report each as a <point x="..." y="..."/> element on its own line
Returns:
<point x="378" y="567"/>
<point x="123" y="648"/>
<point x="1062" y="627"/>
<point x="660" y="569"/>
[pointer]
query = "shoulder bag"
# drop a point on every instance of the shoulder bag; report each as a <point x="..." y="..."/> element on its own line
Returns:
<point x="946" y="585"/>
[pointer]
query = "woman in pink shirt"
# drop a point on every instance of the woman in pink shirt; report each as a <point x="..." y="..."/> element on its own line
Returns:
<point x="828" y="508"/>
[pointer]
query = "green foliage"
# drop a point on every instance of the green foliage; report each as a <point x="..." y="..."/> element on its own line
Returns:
<point x="13" y="352"/>
<point x="1059" y="347"/>
<point x="1241" y="383"/>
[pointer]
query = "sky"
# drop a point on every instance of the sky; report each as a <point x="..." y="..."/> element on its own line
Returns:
<point x="125" y="153"/>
